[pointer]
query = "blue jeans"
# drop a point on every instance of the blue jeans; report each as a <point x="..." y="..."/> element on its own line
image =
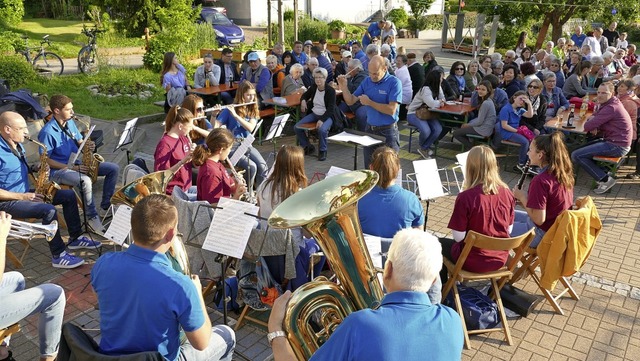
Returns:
<point x="582" y="157"/>
<point x="523" y="224"/>
<point x="47" y="213"/>
<point x="361" y="118"/>
<point x="323" y="131"/>
<point x="524" y="146"/>
<point x="255" y="165"/>
<point x="429" y="130"/>
<point x="221" y="346"/>
<point x="83" y="182"/>
<point x="47" y="299"/>
<point x="226" y="97"/>
<point x="392" y="140"/>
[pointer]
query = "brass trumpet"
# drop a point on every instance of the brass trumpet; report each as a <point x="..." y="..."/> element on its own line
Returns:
<point x="26" y="230"/>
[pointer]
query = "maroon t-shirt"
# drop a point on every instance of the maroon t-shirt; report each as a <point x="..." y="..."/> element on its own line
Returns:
<point x="169" y="152"/>
<point x="488" y="214"/>
<point x="213" y="182"/>
<point x="545" y="192"/>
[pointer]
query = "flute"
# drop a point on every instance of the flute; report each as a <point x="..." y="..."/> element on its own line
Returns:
<point x="524" y="174"/>
<point x="228" y="106"/>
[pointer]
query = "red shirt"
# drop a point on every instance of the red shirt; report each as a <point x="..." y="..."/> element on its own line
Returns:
<point x="488" y="214"/>
<point x="169" y="152"/>
<point x="213" y="182"/>
<point x="545" y="192"/>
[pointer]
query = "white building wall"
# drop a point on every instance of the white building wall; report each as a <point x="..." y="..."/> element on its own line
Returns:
<point x="254" y="12"/>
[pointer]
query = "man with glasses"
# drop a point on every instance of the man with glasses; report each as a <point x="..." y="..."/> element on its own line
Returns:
<point x="19" y="202"/>
<point x="509" y="57"/>
<point x="380" y="94"/>
<point x="228" y="72"/>
<point x="613" y="123"/>
<point x="260" y="76"/>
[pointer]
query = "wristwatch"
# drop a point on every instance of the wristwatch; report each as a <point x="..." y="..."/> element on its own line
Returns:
<point x="275" y="334"/>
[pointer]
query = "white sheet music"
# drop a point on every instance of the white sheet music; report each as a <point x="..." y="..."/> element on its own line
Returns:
<point x="462" y="160"/>
<point x="74" y="156"/>
<point x="277" y="126"/>
<point x="337" y="170"/>
<point x="428" y="178"/>
<point x="363" y="140"/>
<point x="230" y="227"/>
<point x="127" y="135"/>
<point x="375" y="249"/>
<point x="242" y="149"/>
<point x="120" y="226"/>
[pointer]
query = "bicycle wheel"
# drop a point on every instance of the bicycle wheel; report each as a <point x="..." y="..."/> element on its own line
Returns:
<point x="88" y="60"/>
<point x="49" y="61"/>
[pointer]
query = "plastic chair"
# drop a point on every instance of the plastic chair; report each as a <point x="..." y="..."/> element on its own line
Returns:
<point x="498" y="277"/>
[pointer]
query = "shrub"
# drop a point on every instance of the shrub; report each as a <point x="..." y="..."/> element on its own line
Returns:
<point x="16" y="70"/>
<point x="337" y="25"/>
<point x="11" y="12"/>
<point x="399" y="17"/>
<point x="10" y="42"/>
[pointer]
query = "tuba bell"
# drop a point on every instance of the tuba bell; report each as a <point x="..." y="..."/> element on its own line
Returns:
<point x="152" y="183"/>
<point x="328" y="210"/>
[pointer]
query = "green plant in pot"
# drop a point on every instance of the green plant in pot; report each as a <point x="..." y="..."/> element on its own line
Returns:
<point x="337" y="28"/>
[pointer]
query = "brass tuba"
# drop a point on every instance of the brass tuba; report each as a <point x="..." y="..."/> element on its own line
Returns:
<point x="328" y="210"/>
<point x="43" y="185"/>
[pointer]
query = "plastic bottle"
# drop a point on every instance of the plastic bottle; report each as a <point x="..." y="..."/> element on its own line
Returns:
<point x="206" y="83"/>
<point x="571" y="116"/>
<point x="584" y="107"/>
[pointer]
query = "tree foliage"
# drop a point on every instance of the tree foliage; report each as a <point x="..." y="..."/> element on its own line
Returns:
<point x="11" y="12"/>
<point x="419" y="7"/>
<point x="555" y="13"/>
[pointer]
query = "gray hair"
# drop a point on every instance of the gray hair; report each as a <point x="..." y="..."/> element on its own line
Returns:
<point x="510" y="53"/>
<point x="611" y="49"/>
<point x="586" y="46"/>
<point x="296" y="66"/>
<point x="550" y="42"/>
<point x="355" y="63"/>
<point x="557" y="61"/>
<point x="597" y="60"/>
<point x="562" y="41"/>
<point x="272" y="58"/>
<point x="548" y="75"/>
<point x="607" y="55"/>
<point x="385" y="48"/>
<point x="313" y="60"/>
<point x="416" y="258"/>
<point x="495" y="57"/>
<point x="372" y="49"/>
<point x="320" y="70"/>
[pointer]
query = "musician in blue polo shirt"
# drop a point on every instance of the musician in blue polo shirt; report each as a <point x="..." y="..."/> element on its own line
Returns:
<point x="62" y="137"/>
<point x="16" y="199"/>
<point x="380" y="94"/>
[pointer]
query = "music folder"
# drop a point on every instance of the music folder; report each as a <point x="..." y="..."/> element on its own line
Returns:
<point x="74" y="156"/>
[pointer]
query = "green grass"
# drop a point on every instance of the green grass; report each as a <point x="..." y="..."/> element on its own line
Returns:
<point x="101" y="107"/>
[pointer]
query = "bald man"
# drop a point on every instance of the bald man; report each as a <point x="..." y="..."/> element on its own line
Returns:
<point x="19" y="202"/>
<point x="380" y="94"/>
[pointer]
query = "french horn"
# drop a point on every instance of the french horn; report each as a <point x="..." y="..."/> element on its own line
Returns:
<point x="328" y="210"/>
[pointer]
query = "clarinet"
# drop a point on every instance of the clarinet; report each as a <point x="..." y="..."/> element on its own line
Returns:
<point x="525" y="172"/>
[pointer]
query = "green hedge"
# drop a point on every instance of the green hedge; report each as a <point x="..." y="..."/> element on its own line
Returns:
<point x="16" y="70"/>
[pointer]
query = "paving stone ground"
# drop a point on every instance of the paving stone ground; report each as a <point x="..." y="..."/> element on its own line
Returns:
<point x="602" y="325"/>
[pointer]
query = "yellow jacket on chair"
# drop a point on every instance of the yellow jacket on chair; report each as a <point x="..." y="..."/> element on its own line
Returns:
<point x="567" y="245"/>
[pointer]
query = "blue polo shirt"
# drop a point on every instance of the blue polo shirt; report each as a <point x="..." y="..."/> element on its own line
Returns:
<point x="59" y="144"/>
<point x="405" y="327"/>
<point x="373" y="30"/>
<point x="143" y="302"/>
<point x="302" y="58"/>
<point x="512" y="116"/>
<point x="14" y="176"/>
<point x="387" y="90"/>
<point x="383" y="212"/>
<point x="225" y="118"/>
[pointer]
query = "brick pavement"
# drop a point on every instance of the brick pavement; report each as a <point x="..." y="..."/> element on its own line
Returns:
<point x="602" y="325"/>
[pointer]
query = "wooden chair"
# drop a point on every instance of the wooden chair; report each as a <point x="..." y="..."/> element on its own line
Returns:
<point x="498" y="277"/>
<point x="8" y="331"/>
<point x="531" y="260"/>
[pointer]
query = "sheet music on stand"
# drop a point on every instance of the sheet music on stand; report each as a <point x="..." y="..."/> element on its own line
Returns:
<point x="127" y="134"/>
<point x="347" y="137"/>
<point x="231" y="227"/>
<point x="277" y="126"/>
<point x="337" y="170"/>
<point x="74" y="156"/>
<point x="120" y="226"/>
<point x="375" y="249"/>
<point x="428" y="179"/>
<point x="242" y="149"/>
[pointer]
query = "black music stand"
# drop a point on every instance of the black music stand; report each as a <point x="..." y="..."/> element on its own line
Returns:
<point x="127" y="137"/>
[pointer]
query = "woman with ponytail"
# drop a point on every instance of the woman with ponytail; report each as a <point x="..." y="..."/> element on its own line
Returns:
<point x="201" y="126"/>
<point x="174" y="148"/>
<point x="213" y="181"/>
<point x="550" y="192"/>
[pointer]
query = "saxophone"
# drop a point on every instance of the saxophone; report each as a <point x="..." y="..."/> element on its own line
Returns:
<point x="92" y="161"/>
<point x="43" y="185"/>
<point x="329" y="211"/>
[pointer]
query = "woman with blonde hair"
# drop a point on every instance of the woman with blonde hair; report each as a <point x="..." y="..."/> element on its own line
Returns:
<point x="213" y="180"/>
<point x="174" y="148"/>
<point x="242" y="121"/>
<point x="201" y="126"/>
<point x="486" y="206"/>
<point x="550" y="192"/>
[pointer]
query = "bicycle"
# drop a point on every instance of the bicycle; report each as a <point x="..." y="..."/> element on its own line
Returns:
<point x="45" y="60"/>
<point x="88" y="55"/>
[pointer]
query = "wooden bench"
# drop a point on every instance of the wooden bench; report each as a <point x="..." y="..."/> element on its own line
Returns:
<point x="478" y="138"/>
<point x="351" y="116"/>
<point x="609" y="164"/>
<point x="509" y="145"/>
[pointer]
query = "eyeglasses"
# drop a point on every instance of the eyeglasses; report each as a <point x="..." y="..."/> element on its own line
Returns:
<point x="459" y="69"/>
<point x="319" y="78"/>
<point x="199" y="109"/>
<point x="533" y="86"/>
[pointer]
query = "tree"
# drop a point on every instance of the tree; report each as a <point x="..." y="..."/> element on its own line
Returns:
<point x="419" y="7"/>
<point x="556" y="13"/>
<point x="11" y="12"/>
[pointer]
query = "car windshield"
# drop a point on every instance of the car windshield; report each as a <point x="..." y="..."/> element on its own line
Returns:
<point x="216" y="18"/>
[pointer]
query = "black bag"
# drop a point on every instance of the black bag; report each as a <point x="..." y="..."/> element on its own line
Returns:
<point x="4" y="87"/>
<point x="518" y="300"/>
<point x="480" y="312"/>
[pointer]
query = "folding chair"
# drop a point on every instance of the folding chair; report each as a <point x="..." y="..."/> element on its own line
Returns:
<point x="8" y="331"/>
<point x="547" y="279"/>
<point x="498" y="277"/>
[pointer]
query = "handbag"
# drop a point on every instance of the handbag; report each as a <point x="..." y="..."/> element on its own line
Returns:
<point x="526" y="132"/>
<point x="423" y="112"/>
<point x="480" y="312"/>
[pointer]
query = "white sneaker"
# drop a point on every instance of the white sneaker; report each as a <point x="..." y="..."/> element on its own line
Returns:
<point x="425" y="153"/>
<point x="96" y="226"/>
<point x="605" y="186"/>
<point x="102" y="212"/>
